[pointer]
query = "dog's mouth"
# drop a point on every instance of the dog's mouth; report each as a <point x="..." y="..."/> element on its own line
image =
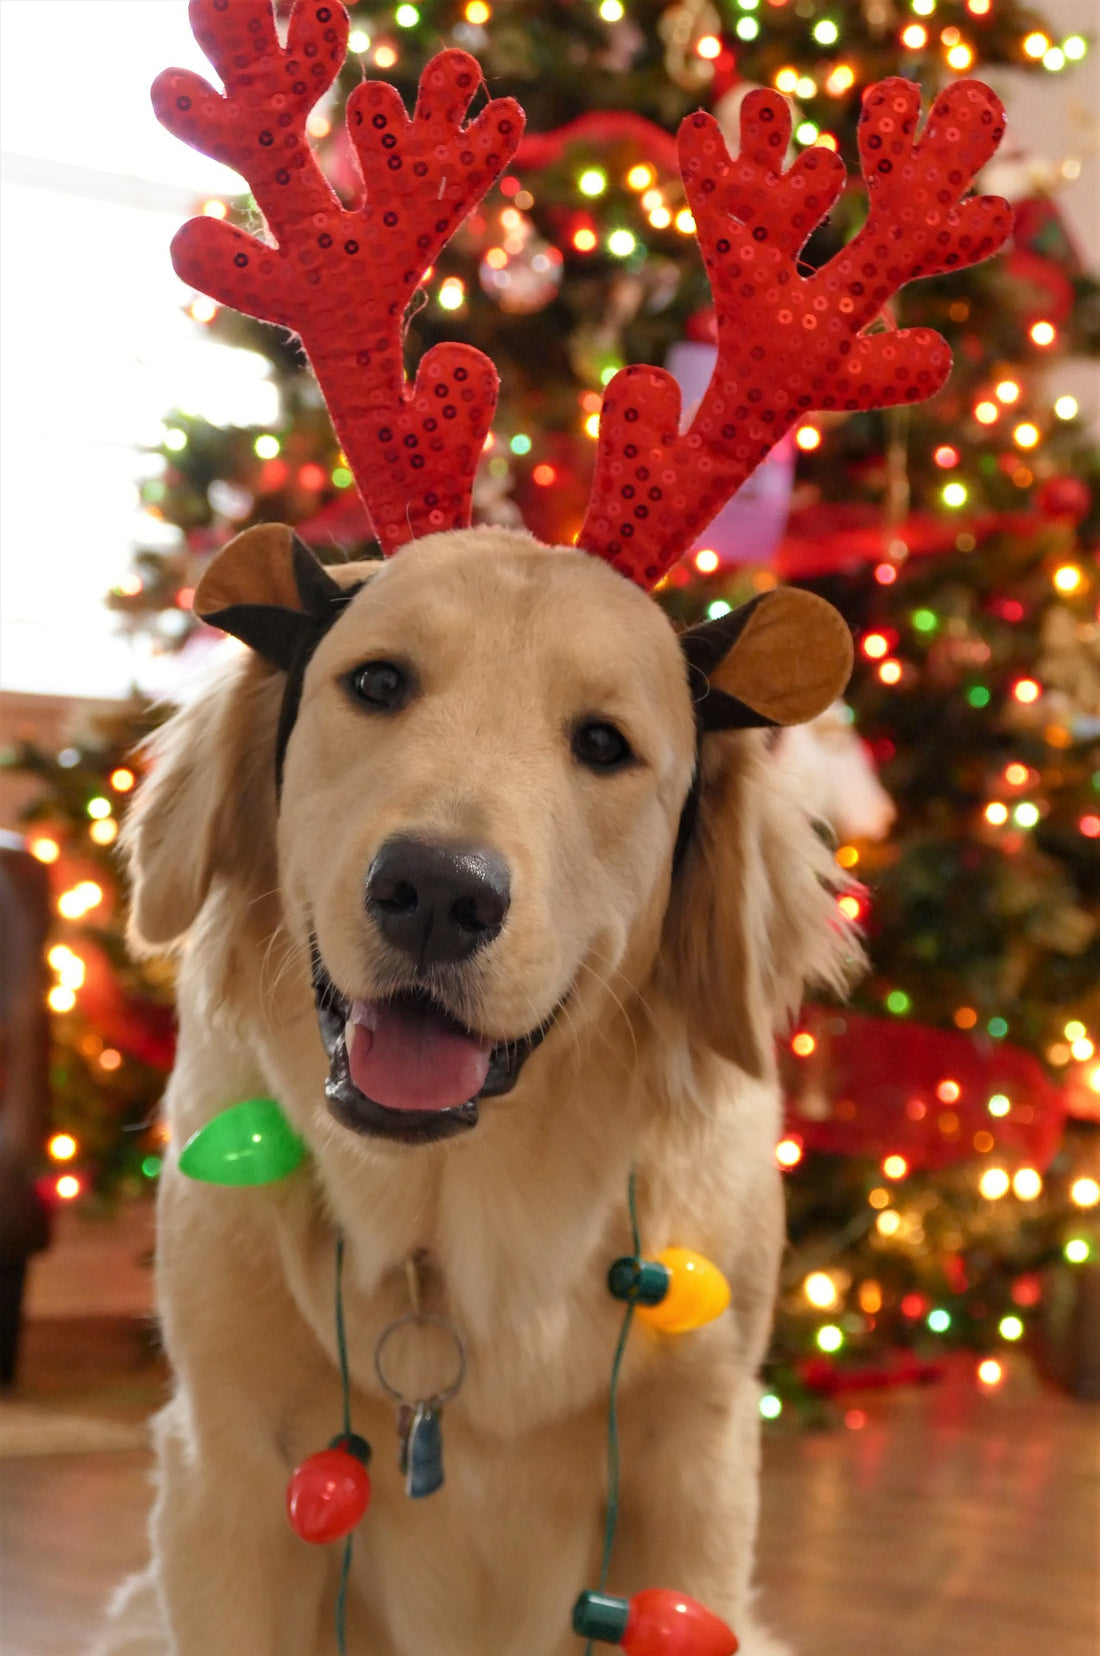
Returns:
<point x="405" y="1068"/>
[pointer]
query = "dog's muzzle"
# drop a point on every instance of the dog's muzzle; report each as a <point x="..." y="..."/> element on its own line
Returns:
<point x="414" y="1018"/>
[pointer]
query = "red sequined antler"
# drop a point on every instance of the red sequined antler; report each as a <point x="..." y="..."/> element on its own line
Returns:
<point x="342" y="277"/>
<point x="789" y="343"/>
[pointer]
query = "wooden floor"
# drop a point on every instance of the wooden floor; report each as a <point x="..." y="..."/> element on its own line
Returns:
<point x="950" y="1524"/>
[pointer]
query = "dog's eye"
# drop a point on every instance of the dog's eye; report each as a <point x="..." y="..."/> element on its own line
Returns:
<point x="600" y="746"/>
<point x="380" y="684"/>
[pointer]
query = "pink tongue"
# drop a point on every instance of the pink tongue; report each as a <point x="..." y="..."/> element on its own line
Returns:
<point x="410" y="1058"/>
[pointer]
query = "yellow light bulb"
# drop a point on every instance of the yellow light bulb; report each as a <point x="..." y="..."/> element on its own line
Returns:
<point x="697" y="1293"/>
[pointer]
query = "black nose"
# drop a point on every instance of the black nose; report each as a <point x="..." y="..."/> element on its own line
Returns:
<point x="437" y="903"/>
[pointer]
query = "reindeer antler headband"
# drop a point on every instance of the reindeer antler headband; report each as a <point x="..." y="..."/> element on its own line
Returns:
<point x="342" y="277"/>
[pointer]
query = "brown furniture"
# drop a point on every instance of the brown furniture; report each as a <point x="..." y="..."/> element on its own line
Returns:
<point x="24" y="1079"/>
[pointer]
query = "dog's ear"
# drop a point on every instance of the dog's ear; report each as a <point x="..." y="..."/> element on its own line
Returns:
<point x="779" y="660"/>
<point x="752" y="920"/>
<point x="267" y="589"/>
<point x="207" y="805"/>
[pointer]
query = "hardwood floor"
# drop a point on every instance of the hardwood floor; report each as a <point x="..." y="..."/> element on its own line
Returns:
<point x="951" y="1524"/>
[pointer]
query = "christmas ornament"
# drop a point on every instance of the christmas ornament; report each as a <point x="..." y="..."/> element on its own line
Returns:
<point x="599" y="129"/>
<point x="524" y="281"/>
<point x="1065" y="497"/>
<point x="681" y="27"/>
<point x="328" y="1493"/>
<point x="250" y="1144"/>
<point x="654" y="1622"/>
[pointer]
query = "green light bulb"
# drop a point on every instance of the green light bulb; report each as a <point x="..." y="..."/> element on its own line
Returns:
<point x="251" y="1143"/>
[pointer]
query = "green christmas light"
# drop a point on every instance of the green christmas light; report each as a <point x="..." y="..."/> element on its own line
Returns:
<point x="939" y="1321"/>
<point x="175" y="439"/>
<point x="925" y="620"/>
<point x="151" y="1166"/>
<point x="898" y="1002"/>
<point x="806" y="132"/>
<point x="771" y="1407"/>
<point x="954" y="495"/>
<point x="520" y="443"/>
<point x="1010" y="1328"/>
<point x="826" y="32"/>
<point x="1026" y="815"/>
<point x="716" y="610"/>
<point x="622" y="243"/>
<point x="746" y="28"/>
<point x="1075" y="46"/>
<point x="998" y="1028"/>
<point x="342" y="477"/>
<point x="1077" y="1250"/>
<point x="267" y="445"/>
<point x="251" y="1143"/>
<point x="406" y="17"/>
<point x="978" y="695"/>
<point x="830" y="1337"/>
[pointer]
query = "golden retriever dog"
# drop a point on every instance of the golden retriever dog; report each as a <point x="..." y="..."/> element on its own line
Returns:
<point x="512" y="920"/>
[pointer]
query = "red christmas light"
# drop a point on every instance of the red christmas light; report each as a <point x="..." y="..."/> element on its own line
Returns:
<point x="655" y="1622"/>
<point x="328" y="1494"/>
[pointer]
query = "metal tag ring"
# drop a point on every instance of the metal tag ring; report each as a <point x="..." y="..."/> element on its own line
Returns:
<point x="420" y="1318"/>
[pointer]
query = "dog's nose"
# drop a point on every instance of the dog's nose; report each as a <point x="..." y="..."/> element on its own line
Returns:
<point x="437" y="902"/>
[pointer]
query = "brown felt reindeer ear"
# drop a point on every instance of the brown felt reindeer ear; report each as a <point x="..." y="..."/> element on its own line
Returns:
<point x="267" y="589"/>
<point x="780" y="660"/>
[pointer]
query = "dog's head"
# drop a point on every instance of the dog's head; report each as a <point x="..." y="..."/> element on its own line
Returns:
<point x="496" y="794"/>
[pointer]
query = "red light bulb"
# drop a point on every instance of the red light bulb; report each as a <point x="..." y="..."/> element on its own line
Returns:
<point x="655" y="1622"/>
<point x="663" y="1623"/>
<point x="328" y="1494"/>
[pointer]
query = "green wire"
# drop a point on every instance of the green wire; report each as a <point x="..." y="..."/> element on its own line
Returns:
<point x="613" y="1413"/>
<point x="612" y="1424"/>
<point x="345" y="1387"/>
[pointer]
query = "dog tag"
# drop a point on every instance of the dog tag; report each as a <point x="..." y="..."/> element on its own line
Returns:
<point x="422" y="1455"/>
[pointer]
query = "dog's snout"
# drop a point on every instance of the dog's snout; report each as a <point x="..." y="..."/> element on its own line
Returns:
<point x="437" y="902"/>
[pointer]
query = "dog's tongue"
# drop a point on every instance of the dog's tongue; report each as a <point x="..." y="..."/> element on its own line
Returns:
<point x="406" y="1055"/>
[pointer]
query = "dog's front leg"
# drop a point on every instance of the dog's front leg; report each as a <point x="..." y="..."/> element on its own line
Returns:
<point x="690" y="1458"/>
<point x="232" y="1577"/>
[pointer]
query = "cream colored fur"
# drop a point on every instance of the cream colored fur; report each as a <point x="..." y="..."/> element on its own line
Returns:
<point x="662" y="1059"/>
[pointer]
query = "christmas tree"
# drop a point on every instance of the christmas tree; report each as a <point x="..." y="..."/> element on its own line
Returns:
<point x="934" y="1196"/>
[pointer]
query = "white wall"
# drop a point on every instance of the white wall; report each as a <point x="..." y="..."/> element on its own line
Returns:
<point x="93" y="339"/>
